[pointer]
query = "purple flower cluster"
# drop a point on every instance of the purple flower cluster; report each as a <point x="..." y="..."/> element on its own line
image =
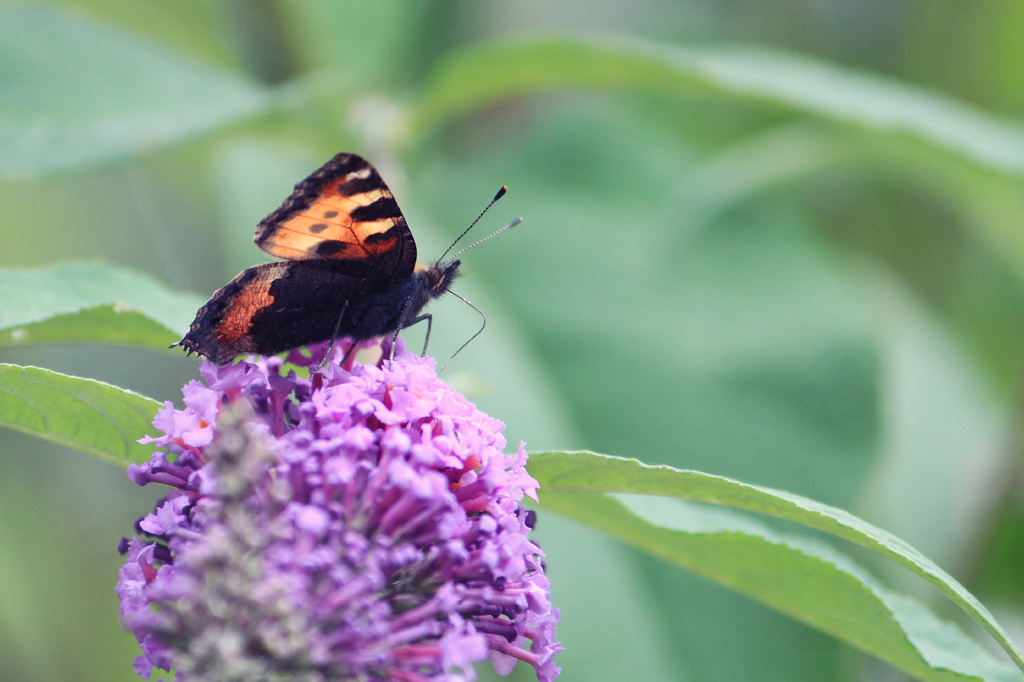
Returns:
<point x="358" y="525"/>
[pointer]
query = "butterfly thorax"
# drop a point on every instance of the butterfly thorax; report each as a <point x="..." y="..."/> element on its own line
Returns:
<point x="390" y="309"/>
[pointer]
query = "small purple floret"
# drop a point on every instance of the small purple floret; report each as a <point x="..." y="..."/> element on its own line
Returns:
<point x="361" y="524"/>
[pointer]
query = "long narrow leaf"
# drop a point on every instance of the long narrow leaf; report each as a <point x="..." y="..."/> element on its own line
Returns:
<point x="576" y="484"/>
<point x="90" y="303"/>
<point x="484" y="74"/>
<point x="88" y="415"/>
<point x="76" y="92"/>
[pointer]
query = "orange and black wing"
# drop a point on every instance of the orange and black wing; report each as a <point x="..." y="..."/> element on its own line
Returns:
<point x="343" y="211"/>
<point x="275" y="307"/>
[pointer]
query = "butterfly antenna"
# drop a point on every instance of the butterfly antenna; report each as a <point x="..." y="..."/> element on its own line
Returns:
<point x="470" y="340"/>
<point x="500" y="194"/>
<point x="481" y="241"/>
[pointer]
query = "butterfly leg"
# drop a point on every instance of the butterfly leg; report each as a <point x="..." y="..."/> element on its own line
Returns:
<point x="334" y="337"/>
<point x="394" y="339"/>
<point x="402" y="325"/>
<point x="430" y="323"/>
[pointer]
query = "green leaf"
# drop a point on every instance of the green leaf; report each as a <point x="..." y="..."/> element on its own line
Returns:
<point x="78" y="92"/>
<point x="88" y="415"/>
<point x="483" y="74"/>
<point x="90" y="302"/>
<point x="804" y="579"/>
<point x="99" y="324"/>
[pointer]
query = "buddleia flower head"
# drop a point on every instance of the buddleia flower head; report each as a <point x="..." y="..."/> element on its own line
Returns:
<point x="358" y="525"/>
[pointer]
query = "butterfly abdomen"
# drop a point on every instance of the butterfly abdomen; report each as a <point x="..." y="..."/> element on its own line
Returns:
<point x="221" y="328"/>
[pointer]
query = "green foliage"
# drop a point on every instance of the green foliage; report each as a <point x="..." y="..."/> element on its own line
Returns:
<point x="483" y="74"/>
<point x="90" y="302"/>
<point x="806" y="579"/>
<point x="65" y="107"/>
<point x="792" y="256"/>
<point x="96" y="418"/>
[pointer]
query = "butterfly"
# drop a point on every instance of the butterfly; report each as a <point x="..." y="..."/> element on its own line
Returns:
<point x="349" y="271"/>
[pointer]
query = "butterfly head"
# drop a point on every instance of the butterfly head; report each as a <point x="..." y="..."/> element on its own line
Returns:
<point x="440" y="277"/>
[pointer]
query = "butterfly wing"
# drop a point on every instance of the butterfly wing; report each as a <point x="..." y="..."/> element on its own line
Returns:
<point x="343" y="211"/>
<point x="275" y="307"/>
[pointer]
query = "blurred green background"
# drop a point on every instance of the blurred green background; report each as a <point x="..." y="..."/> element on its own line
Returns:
<point x="778" y="241"/>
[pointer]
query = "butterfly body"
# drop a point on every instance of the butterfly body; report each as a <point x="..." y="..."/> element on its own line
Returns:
<point x="351" y="271"/>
